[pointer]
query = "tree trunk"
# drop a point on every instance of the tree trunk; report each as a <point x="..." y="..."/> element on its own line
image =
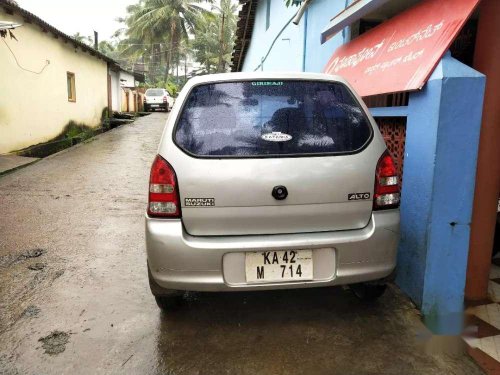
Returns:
<point x="185" y="68"/>
<point x="221" y="46"/>
<point x="168" y="57"/>
<point x="156" y="59"/>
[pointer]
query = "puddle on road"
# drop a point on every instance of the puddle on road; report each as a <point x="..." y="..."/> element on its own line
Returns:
<point x="32" y="253"/>
<point x="10" y="259"/>
<point x="32" y="272"/>
<point x="37" y="266"/>
<point x="57" y="274"/>
<point x="31" y="311"/>
<point x="55" y="343"/>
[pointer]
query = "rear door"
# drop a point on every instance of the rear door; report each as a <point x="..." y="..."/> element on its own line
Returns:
<point x="239" y="143"/>
<point x="154" y="96"/>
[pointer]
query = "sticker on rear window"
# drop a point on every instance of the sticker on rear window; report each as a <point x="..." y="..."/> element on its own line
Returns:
<point x="276" y="137"/>
<point x="267" y="83"/>
<point x="199" y="202"/>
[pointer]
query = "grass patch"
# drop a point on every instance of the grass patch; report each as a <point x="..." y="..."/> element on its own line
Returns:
<point x="72" y="134"/>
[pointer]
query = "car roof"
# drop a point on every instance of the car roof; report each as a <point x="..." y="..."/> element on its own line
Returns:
<point x="247" y="76"/>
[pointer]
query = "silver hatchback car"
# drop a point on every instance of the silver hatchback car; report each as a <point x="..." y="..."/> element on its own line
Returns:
<point x="270" y="181"/>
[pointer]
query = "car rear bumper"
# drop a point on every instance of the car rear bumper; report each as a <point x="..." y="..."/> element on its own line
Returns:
<point x="178" y="260"/>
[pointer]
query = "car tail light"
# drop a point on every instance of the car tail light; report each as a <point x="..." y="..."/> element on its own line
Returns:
<point x="163" y="190"/>
<point x="386" y="193"/>
<point x="164" y="99"/>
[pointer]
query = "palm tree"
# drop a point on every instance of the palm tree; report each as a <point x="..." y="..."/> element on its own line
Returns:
<point x="205" y="44"/>
<point x="141" y="44"/>
<point x="227" y="26"/>
<point x="174" y="20"/>
<point x="183" y="52"/>
<point x="214" y="38"/>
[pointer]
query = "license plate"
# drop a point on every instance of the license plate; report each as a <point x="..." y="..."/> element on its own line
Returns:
<point x="276" y="266"/>
<point x="155" y="105"/>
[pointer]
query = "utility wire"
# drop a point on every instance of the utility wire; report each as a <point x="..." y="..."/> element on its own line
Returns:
<point x="152" y="53"/>
<point x="47" y="62"/>
<point x="145" y="55"/>
<point x="274" y="41"/>
<point x="140" y="44"/>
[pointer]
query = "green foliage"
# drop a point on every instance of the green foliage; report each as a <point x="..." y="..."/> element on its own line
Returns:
<point x="88" y="40"/>
<point x="104" y="114"/>
<point x="214" y="38"/>
<point x="155" y="31"/>
<point x="172" y="88"/>
<point x="72" y="134"/>
<point x="163" y="36"/>
<point x="74" y="130"/>
<point x="108" y="48"/>
<point x="293" y="2"/>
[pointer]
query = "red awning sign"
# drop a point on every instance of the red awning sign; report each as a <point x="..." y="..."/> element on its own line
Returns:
<point x="401" y="53"/>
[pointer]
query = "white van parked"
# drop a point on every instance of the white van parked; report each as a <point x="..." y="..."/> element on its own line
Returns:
<point x="158" y="99"/>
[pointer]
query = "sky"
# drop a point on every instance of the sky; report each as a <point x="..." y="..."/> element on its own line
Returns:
<point x="72" y="16"/>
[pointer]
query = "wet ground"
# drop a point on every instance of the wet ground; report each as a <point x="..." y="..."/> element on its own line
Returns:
<point x="74" y="296"/>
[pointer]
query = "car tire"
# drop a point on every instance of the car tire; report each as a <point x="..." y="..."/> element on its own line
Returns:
<point x="368" y="292"/>
<point x="168" y="303"/>
<point x="166" y="299"/>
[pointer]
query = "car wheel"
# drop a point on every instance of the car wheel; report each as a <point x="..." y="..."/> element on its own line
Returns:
<point x="368" y="292"/>
<point x="166" y="299"/>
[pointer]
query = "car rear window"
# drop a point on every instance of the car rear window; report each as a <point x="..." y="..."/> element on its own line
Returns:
<point x="264" y="118"/>
<point x="154" y="92"/>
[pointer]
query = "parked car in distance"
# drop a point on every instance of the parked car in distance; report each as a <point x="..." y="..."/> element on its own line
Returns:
<point x="158" y="99"/>
<point x="271" y="181"/>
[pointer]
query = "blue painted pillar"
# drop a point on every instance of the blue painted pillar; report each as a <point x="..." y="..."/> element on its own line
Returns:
<point x="442" y="136"/>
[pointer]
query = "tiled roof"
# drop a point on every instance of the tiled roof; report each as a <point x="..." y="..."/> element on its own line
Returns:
<point x="11" y="7"/>
<point x="244" y="31"/>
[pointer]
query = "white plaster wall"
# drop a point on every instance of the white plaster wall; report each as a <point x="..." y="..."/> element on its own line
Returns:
<point x="126" y="79"/>
<point x="116" y="91"/>
<point x="34" y="108"/>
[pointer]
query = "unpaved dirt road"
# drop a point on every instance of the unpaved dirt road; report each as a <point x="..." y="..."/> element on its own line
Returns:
<point x="74" y="297"/>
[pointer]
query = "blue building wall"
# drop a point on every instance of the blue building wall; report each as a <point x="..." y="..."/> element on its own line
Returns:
<point x="318" y="16"/>
<point x="442" y="136"/>
<point x="287" y="53"/>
